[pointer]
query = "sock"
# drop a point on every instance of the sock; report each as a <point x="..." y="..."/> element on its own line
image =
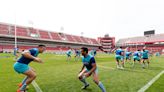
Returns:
<point x="143" y="65"/>
<point x="133" y="64"/>
<point x="23" y="87"/>
<point x="118" y="66"/>
<point x="101" y="86"/>
<point x="122" y="65"/>
<point x="24" y="80"/>
<point x="84" y="81"/>
<point x="148" y="64"/>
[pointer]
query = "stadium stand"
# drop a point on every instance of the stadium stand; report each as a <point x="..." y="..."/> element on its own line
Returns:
<point x="55" y="36"/>
<point x="70" y="38"/>
<point x="29" y="37"/>
<point x="44" y="34"/>
<point x="78" y="39"/>
<point x="154" y="43"/>
<point x="4" y="29"/>
<point x="84" y="39"/>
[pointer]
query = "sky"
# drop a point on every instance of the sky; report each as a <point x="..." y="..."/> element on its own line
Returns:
<point x="93" y="18"/>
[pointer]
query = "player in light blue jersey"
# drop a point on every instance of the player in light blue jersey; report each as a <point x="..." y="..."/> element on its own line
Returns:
<point x="145" y="57"/>
<point x="89" y="68"/>
<point x="128" y="56"/>
<point x="93" y="52"/>
<point x="77" y="55"/>
<point x="69" y="52"/>
<point x="22" y="65"/>
<point x="119" y="57"/>
<point x="136" y="57"/>
<point x="157" y="54"/>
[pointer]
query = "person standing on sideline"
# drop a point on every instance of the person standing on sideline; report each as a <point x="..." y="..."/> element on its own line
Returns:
<point x="69" y="54"/>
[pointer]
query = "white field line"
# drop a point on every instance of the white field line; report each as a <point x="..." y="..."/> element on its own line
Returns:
<point x="144" y="88"/>
<point x="37" y="88"/>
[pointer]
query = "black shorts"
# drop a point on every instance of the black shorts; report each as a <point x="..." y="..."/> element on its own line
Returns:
<point x="144" y="58"/>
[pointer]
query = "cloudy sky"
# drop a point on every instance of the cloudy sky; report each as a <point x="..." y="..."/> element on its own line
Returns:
<point x="118" y="18"/>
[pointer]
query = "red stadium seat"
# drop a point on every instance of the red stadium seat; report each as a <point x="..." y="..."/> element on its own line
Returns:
<point x="55" y="36"/>
<point x="77" y="39"/>
<point x="44" y="34"/>
<point x="70" y="38"/>
<point x="4" y="29"/>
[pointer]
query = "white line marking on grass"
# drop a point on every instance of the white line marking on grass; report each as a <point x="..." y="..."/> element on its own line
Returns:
<point x="144" y="88"/>
<point x="105" y="67"/>
<point x="37" y="88"/>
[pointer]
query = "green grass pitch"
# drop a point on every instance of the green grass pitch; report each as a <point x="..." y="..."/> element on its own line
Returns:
<point x="57" y="75"/>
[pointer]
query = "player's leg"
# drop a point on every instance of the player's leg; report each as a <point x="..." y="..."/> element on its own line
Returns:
<point x="82" y="78"/>
<point x="76" y="57"/>
<point x="24" y="81"/>
<point x="148" y="62"/>
<point x="143" y="63"/>
<point x="96" y="80"/>
<point x="117" y="61"/>
<point x="69" y="57"/>
<point x="122" y="62"/>
<point x="21" y="68"/>
<point x="134" y="60"/>
<point x="130" y="59"/>
<point x="31" y="75"/>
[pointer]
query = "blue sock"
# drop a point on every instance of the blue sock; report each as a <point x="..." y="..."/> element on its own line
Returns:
<point x="24" y="80"/>
<point x="23" y="87"/>
<point x="102" y="87"/>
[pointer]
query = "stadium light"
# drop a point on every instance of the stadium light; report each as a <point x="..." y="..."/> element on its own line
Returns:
<point x="82" y="34"/>
<point x="15" y="29"/>
<point x="15" y="45"/>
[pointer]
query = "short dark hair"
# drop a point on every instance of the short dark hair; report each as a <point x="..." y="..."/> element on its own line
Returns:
<point x="85" y="49"/>
<point x="41" y="45"/>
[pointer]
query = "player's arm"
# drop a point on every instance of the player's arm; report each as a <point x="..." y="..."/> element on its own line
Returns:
<point x="93" y="68"/>
<point x="122" y="53"/>
<point x="82" y="68"/>
<point x="27" y="54"/>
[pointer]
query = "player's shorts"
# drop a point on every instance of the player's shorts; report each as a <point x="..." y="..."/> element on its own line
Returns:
<point x="68" y="55"/>
<point x="144" y="57"/>
<point x="96" y="71"/>
<point x="119" y="57"/>
<point x="21" y="68"/>
<point x="77" y="55"/>
<point x="127" y="57"/>
<point x="136" y="58"/>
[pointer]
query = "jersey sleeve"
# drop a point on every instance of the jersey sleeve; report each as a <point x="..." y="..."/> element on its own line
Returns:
<point x="92" y="60"/>
<point x="33" y="51"/>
